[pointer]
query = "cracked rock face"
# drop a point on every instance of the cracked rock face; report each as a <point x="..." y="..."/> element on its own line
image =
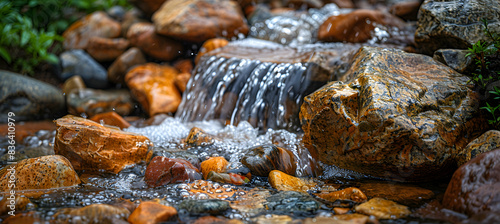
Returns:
<point x="399" y="116"/>
<point x="92" y="147"/>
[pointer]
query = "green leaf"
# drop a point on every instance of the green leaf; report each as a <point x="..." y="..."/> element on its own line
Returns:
<point x="25" y="37"/>
<point x="5" y="55"/>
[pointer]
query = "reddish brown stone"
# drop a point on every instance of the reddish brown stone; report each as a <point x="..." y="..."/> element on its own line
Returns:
<point x="210" y="45"/>
<point x="162" y="170"/>
<point x="22" y="218"/>
<point x="148" y="6"/>
<point x="19" y="204"/>
<point x="356" y="26"/>
<point x="143" y="36"/>
<point x="25" y="129"/>
<point x="342" y="3"/>
<point x="106" y="49"/>
<point x="120" y="67"/>
<point x="407" y="10"/>
<point x="111" y="118"/>
<point x="97" y="24"/>
<point x="92" y="147"/>
<point x="351" y="193"/>
<point x="44" y="172"/>
<point x="150" y="212"/>
<point x="200" y="20"/>
<point x="401" y="193"/>
<point x="261" y="160"/>
<point x="153" y="86"/>
<point x="95" y="213"/>
<point x="475" y="186"/>
<point x="488" y="141"/>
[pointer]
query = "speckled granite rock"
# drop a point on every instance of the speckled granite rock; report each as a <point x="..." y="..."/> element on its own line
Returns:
<point x="400" y="116"/>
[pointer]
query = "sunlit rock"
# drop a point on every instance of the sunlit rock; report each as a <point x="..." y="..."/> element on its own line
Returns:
<point x="143" y="36"/>
<point x="110" y="118"/>
<point x="28" y="98"/>
<point x="261" y="82"/>
<point x="153" y="85"/>
<point x="455" y="24"/>
<point x="475" y="186"/>
<point x="129" y="59"/>
<point x="217" y="164"/>
<point x="162" y="170"/>
<point x="284" y="182"/>
<point x="356" y="26"/>
<point x="92" y="214"/>
<point x="261" y="160"/>
<point x="399" y="116"/>
<point x="46" y="172"/>
<point x="106" y="49"/>
<point x="89" y="102"/>
<point x="200" y="20"/>
<point x="210" y="45"/>
<point x="404" y="194"/>
<point x="350" y="193"/>
<point x="97" y="24"/>
<point x="150" y="212"/>
<point x="94" y="148"/>
<point x="488" y="141"/>
<point x="205" y="206"/>
<point x="383" y="209"/>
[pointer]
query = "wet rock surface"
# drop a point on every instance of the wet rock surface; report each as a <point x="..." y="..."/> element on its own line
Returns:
<point x="90" y="102"/>
<point x="200" y="20"/>
<point x="28" y="98"/>
<point x="97" y="24"/>
<point x="152" y="212"/>
<point x="404" y="194"/>
<point x="475" y="186"/>
<point x="92" y="147"/>
<point x="454" y="24"/>
<point x="143" y="36"/>
<point x="419" y="112"/>
<point x="383" y="209"/>
<point x="284" y="182"/>
<point x="162" y="170"/>
<point x="263" y="159"/>
<point x="96" y="213"/>
<point x="120" y="67"/>
<point x="486" y="142"/>
<point x="78" y="62"/>
<point x="291" y="202"/>
<point x="206" y="206"/>
<point x="44" y="172"/>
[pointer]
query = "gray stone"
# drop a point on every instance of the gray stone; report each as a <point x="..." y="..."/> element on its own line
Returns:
<point x="78" y="62"/>
<point x="205" y="206"/>
<point x="291" y="202"/>
<point x="455" y="59"/>
<point x="454" y="24"/>
<point x="28" y="98"/>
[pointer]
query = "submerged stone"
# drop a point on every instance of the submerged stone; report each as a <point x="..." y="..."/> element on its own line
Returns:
<point x="383" y="209"/>
<point x="291" y="202"/>
<point x="92" y="147"/>
<point x="404" y="194"/>
<point x="400" y="116"/>
<point x="350" y="193"/>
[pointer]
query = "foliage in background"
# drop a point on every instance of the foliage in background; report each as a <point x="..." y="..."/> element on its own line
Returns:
<point x="29" y="29"/>
<point x="483" y="53"/>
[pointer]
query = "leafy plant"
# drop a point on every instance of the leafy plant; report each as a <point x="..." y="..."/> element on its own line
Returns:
<point x="482" y="54"/>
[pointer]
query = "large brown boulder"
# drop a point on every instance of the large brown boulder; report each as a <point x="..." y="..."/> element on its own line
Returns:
<point x="200" y="20"/>
<point x="92" y="147"/>
<point x="454" y="24"/>
<point x="399" y="116"/>
<point x="475" y="186"/>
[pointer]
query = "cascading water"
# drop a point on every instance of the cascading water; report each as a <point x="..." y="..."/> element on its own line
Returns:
<point x="259" y="82"/>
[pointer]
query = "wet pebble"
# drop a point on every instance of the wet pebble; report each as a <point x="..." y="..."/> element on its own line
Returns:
<point x="111" y="118"/>
<point x="210" y="206"/>
<point x="261" y="160"/>
<point x="217" y="164"/>
<point x="150" y="212"/>
<point x="97" y="24"/>
<point x="228" y="178"/>
<point x="291" y="201"/>
<point x="162" y="170"/>
<point x="284" y="182"/>
<point x="351" y="193"/>
<point x="198" y="137"/>
<point x="92" y="214"/>
<point x="383" y="209"/>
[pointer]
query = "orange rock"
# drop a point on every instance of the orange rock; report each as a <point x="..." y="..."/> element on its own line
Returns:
<point x="200" y="20"/>
<point x="93" y="214"/>
<point x="97" y="24"/>
<point x="184" y="65"/>
<point x="120" y="67"/>
<point x="181" y="81"/>
<point x="75" y="82"/>
<point x="111" y="118"/>
<point x="29" y="217"/>
<point x="106" y="49"/>
<point x="143" y="36"/>
<point x="217" y="164"/>
<point x="405" y="194"/>
<point x="210" y="45"/>
<point x="285" y="182"/>
<point x="44" y="172"/>
<point x="340" y="211"/>
<point x="197" y="137"/>
<point x="153" y="86"/>
<point x="20" y="203"/>
<point x="351" y="193"/>
<point x="383" y="209"/>
<point x="201" y="189"/>
<point x="355" y="26"/>
<point x="149" y="212"/>
<point x="94" y="148"/>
